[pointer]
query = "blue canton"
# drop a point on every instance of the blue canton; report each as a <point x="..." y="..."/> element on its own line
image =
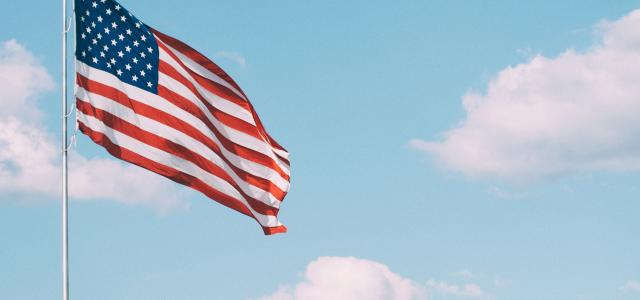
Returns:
<point x="111" y="39"/>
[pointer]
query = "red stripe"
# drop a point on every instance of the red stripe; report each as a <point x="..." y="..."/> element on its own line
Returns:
<point x="274" y="230"/>
<point x="199" y="59"/>
<point x="148" y="111"/>
<point x="227" y="119"/>
<point x="171" y="148"/>
<point x="182" y="126"/>
<point x="210" y="84"/>
<point x="173" y="174"/>
<point x="223" y="117"/>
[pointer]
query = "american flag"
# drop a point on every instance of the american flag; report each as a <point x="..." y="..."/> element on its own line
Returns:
<point x="153" y="101"/>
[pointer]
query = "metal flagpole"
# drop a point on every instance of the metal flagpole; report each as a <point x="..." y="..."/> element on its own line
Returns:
<point x="65" y="148"/>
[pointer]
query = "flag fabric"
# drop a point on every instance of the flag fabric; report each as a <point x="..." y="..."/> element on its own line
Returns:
<point x="151" y="100"/>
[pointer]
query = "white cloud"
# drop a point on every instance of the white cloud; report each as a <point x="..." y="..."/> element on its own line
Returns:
<point x="232" y="56"/>
<point x="29" y="156"/>
<point x="631" y="286"/>
<point x="99" y="178"/>
<point x="549" y="117"/>
<point x="22" y="78"/>
<point x="349" y="278"/>
<point x="463" y="291"/>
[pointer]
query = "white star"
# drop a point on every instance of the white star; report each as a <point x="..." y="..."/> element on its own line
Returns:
<point x="84" y="54"/>
<point x="123" y="19"/>
<point x="150" y="50"/>
<point x="109" y="65"/>
<point x="95" y="60"/>
<point x="103" y="1"/>
<point x="88" y="14"/>
<point x="149" y="66"/>
<point x="135" y="43"/>
<point x="143" y="38"/>
<point x="142" y="73"/>
<point x="143" y="55"/>
<point x="94" y="41"/>
<point x="99" y="36"/>
<point x="93" y="24"/>
<point x="134" y="78"/>
<point x="84" y="36"/>
<point x="121" y="37"/>
<point x="89" y="48"/>
<point x="102" y="54"/>
<point x="149" y="84"/>
<point x="82" y="18"/>
<point x="105" y="47"/>
<point x="94" y="5"/>
<point x="113" y="42"/>
<point x="120" y="54"/>
<point x="135" y="60"/>
<point x="114" y="25"/>
<point x="108" y="11"/>
<point x="128" y="67"/>
<point x="129" y="31"/>
<point x="117" y="7"/>
<point x="127" y="48"/>
<point x="88" y="30"/>
<point x="119" y="72"/>
<point x="100" y="19"/>
<point x="106" y="30"/>
<point x="138" y="25"/>
<point x="113" y="61"/>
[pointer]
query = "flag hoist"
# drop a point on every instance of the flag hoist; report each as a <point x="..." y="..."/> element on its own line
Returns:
<point x="65" y="148"/>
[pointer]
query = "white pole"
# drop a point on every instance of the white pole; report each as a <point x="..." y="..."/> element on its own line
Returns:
<point x="65" y="188"/>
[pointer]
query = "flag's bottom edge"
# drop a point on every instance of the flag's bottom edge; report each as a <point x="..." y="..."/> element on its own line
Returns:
<point x="274" y="230"/>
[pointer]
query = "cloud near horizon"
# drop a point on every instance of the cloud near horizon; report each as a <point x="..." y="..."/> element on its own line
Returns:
<point x="351" y="278"/>
<point x="553" y="116"/>
<point x="29" y="155"/>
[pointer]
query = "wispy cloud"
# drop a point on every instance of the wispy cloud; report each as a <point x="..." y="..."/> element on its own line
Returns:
<point x="235" y="57"/>
<point x="553" y="116"/>
<point x="631" y="286"/>
<point x="463" y="291"/>
<point x="467" y="274"/>
<point x="504" y="194"/>
<point x="29" y="155"/>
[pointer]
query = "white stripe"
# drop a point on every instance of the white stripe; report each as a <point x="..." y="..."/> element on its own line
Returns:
<point x="174" y="162"/>
<point x="200" y="70"/>
<point x="236" y="136"/>
<point x="282" y="153"/>
<point x="160" y="103"/>
<point x="164" y="56"/>
<point x="169" y="133"/>
<point x="222" y="104"/>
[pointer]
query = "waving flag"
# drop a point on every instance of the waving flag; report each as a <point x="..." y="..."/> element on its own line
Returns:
<point x="153" y="101"/>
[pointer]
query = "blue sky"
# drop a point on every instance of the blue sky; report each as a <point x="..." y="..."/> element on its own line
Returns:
<point x="364" y="95"/>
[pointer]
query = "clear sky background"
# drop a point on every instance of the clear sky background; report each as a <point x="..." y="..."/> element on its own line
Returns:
<point x="534" y="195"/>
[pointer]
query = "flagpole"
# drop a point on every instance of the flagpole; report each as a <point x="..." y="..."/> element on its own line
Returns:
<point x="65" y="148"/>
